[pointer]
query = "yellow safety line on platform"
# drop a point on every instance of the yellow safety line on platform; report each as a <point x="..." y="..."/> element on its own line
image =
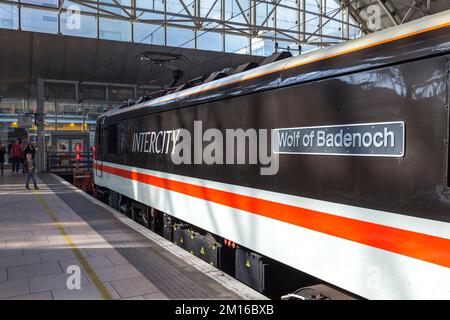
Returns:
<point x="87" y="268"/>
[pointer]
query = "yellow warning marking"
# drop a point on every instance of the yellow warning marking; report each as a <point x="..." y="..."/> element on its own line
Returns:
<point x="247" y="264"/>
<point x="84" y="264"/>
<point x="202" y="250"/>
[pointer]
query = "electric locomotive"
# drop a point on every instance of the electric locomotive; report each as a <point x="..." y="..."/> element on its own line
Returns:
<point x="334" y="162"/>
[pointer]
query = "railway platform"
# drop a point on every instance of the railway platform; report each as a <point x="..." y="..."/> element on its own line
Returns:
<point x="59" y="243"/>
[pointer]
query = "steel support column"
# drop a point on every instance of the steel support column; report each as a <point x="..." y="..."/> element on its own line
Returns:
<point x="40" y="143"/>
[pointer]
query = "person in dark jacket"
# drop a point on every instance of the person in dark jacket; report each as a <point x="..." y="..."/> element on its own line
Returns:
<point x="29" y="167"/>
<point x="30" y="149"/>
<point x="23" y="158"/>
<point x="2" y="158"/>
<point x="9" y="153"/>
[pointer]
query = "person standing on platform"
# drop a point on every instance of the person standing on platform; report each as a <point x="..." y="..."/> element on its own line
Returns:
<point x="16" y="155"/>
<point x="30" y="149"/>
<point x="29" y="166"/>
<point x="2" y="158"/>
<point x="24" y="145"/>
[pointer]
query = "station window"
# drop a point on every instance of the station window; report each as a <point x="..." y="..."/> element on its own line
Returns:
<point x="112" y="138"/>
<point x="148" y="33"/>
<point x="8" y="16"/>
<point x="237" y="44"/>
<point x="179" y="37"/>
<point x="39" y="20"/>
<point x="210" y="41"/>
<point x="113" y="29"/>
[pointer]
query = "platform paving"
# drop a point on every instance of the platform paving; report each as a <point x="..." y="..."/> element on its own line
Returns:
<point x="44" y="232"/>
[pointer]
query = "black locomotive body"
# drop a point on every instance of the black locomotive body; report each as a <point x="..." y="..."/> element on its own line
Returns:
<point x="374" y="224"/>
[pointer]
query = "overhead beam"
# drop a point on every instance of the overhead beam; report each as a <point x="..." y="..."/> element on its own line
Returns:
<point x="388" y="13"/>
<point x="40" y="152"/>
<point x="356" y="16"/>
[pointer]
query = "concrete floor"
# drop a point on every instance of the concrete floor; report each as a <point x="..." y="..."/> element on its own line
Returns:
<point x="41" y="236"/>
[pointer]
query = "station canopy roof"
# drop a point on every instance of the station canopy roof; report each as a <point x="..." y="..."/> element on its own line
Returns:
<point x="25" y="56"/>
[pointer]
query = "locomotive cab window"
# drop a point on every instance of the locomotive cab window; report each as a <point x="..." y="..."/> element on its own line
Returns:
<point x="112" y="139"/>
<point x="98" y="140"/>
